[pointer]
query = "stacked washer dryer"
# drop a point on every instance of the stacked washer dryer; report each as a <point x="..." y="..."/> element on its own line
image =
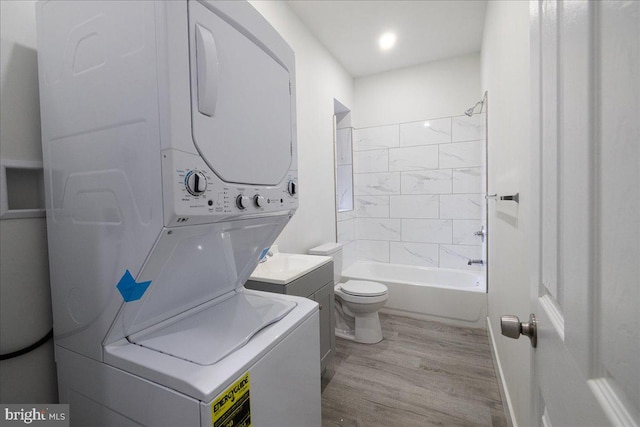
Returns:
<point x="169" y="144"/>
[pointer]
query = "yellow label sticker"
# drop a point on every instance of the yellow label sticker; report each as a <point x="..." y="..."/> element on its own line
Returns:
<point x="232" y="408"/>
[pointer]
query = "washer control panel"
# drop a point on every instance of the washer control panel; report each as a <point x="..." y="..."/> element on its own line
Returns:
<point x="200" y="196"/>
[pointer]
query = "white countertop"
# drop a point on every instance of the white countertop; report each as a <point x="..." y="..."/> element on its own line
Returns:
<point x="282" y="268"/>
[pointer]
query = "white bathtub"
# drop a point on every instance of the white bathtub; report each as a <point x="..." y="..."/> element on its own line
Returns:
<point x="452" y="296"/>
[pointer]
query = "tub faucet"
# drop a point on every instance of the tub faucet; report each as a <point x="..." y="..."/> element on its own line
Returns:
<point x="475" y="261"/>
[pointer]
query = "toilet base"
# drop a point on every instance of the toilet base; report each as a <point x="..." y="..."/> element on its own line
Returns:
<point x="367" y="329"/>
<point x="347" y="335"/>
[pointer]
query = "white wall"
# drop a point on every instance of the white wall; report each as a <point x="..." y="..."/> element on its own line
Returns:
<point x="506" y="77"/>
<point x="25" y="301"/>
<point x="435" y="89"/>
<point x="319" y="79"/>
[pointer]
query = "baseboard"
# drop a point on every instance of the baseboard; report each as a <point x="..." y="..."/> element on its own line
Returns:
<point x="479" y="324"/>
<point x="504" y="390"/>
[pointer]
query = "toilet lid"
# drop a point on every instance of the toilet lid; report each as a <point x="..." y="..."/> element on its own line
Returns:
<point x="363" y="288"/>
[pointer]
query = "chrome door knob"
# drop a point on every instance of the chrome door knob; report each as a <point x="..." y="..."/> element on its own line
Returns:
<point x="511" y="327"/>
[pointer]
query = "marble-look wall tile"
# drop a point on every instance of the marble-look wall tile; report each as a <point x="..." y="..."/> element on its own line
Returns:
<point x="427" y="230"/>
<point x="414" y="206"/>
<point x="425" y="132"/>
<point x="422" y="254"/>
<point x="418" y="192"/>
<point x="436" y="181"/>
<point x="377" y="184"/>
<point x="463" y="230"/>
<point x="458" y="256"/>
<point x="413" y="158"/>
<point x="343" y="146"/>
<point x="372" y="206"/>
<point x="373" y="250"/>
<point x="465" y="128"/>
<point x="346" y="215"/>
<point x="461" y="206"/>
<point x="371" y="161"/>
<point x="376" y="137"/>
<point x="378" y="229"/>
<point x="344" y="196"/>
<point x="467" y="180"/>
<point x="460" y="154"/>
<point x="346" y="231"/>
<point x="349" y="254"/>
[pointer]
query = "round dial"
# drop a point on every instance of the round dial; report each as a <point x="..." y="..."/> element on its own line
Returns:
<point x="259" y="200"/>
<point x="196" y="182"/>
<point x="292" y="188"/>
<point x="242" y="201"/>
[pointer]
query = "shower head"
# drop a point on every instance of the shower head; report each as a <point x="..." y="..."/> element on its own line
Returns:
<point x="470" y="111"/>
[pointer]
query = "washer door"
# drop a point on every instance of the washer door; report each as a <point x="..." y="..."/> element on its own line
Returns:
<point x="207" y="336"/>
<point x="240" y="101"/>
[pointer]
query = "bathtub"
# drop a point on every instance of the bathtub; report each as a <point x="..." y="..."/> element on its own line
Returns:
<point x="452" y="296"/>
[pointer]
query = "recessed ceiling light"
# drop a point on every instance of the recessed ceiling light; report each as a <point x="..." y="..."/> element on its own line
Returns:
<point x="387" y="41"/>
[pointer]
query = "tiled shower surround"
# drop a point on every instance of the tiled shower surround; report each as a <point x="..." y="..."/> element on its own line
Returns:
<point x="418" y="193"/>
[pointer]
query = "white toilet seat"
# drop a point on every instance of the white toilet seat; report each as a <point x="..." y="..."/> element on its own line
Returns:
<point x="358" y="299"/>
<point x="362" y="288"/>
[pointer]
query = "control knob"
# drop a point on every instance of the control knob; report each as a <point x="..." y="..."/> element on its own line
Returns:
<point x="259" y="200"/>
<point x="242" y="202"/>
<point x="196" y="183"/>
<point x="292" y="188"/>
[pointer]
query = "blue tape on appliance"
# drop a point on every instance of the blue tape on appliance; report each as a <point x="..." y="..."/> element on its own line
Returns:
<point x="130" y="289"/>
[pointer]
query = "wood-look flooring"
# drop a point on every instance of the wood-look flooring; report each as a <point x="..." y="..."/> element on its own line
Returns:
<point x="421" y="374"/>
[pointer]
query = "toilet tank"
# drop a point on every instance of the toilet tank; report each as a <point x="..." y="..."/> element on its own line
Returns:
<point x="334" y="250"/>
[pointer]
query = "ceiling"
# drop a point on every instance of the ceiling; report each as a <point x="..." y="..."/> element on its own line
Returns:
<point x="427" y="30"/>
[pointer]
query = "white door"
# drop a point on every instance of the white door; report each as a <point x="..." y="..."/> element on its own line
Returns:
<point x="586" y="243"/>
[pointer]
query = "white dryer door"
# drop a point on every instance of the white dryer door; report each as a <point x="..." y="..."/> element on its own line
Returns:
<point x="240" y="101"/>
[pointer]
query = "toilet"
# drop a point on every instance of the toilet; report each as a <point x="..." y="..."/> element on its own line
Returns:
<point x="356" y="302"/>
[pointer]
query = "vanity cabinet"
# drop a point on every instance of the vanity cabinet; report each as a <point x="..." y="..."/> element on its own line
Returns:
<point x="318" y="286"/>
